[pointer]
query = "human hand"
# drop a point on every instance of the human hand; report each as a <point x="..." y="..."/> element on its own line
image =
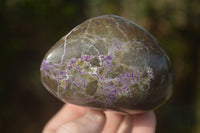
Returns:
<point x="76" y="119"/>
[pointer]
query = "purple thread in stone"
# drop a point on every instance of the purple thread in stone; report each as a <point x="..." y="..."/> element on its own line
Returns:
<point x="69" y="68"/>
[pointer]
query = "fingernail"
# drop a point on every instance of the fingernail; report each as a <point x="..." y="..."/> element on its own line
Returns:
<point x="67" y="128"/>
<point x="95" y="115"/>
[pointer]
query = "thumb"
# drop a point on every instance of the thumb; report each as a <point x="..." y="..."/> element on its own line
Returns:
<point x="92" y="122"/>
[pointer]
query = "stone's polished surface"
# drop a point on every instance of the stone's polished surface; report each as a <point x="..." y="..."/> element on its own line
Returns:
<point x="108" y="62"/>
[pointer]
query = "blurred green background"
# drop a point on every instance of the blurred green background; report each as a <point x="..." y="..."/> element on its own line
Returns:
<point x="28" y="28"/>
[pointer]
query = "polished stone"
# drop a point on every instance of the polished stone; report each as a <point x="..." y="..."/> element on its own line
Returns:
<point x="109" y="62"/>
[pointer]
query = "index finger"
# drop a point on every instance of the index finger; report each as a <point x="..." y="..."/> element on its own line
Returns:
<point x="67" y="113"/>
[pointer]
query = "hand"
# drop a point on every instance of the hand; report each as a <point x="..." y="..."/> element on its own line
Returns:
<point x="76" y="119"/>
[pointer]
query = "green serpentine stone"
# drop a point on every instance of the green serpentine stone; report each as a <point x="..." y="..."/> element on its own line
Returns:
<point x="108" y="62"/>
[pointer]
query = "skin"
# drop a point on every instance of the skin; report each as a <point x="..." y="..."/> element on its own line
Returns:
<point x="75" y="119"/>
